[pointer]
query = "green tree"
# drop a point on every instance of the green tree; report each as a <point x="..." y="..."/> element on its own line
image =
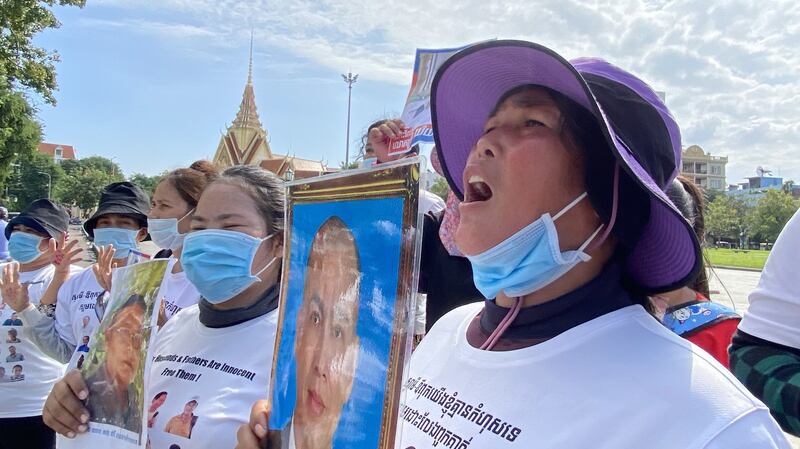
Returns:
<point x="725" y="218"/>
<point x="30" y="182"/>
<point x="771" y="214"/>
<point x="19" y="132"/>
<point x="82" y="188"/>
<point x="22" y="64"/>
<point x="84" y="179"/>
<point x="353" y="164"/>
<point x="147" y="183"/>
<point x="103" y="164"/>
<point x="440" y="188"/>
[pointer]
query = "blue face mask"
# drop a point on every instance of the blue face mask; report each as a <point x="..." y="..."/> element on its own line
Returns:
<point x="24" y="247"/>
<point x="124" y="240"/>
<point x="164" y="232"/>
<point x="528" y="260"/>
<point x="218" y="262"/>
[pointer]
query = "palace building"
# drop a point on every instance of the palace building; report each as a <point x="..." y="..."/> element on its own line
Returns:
<point x="246" y="142"/>
<point x="703" y="169"/>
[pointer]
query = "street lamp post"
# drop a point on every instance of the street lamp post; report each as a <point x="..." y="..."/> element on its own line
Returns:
<point x="350" y="79"/>
<point x="49" y="182"/>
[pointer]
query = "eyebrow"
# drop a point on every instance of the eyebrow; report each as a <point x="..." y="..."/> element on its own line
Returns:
<point x="221" y="217"/>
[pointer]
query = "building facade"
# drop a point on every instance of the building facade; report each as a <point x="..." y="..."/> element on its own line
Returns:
<point x="705" y="170"/>
<point x="57" y="151"/>
<point x="246" y="142"/>
<point x="756" y="188"/>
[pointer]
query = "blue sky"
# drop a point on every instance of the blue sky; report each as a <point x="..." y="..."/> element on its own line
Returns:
<point x="153" y="84"/>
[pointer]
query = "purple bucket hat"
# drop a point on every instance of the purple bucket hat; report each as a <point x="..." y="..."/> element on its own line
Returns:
<point x="638" y="128"/>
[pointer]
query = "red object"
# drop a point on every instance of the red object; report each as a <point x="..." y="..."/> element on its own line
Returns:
<point x="715" y="338"/>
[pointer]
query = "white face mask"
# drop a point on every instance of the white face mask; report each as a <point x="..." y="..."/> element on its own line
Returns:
<point x="164" y="232"/>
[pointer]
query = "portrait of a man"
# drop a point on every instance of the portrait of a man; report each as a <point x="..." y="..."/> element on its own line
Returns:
<point x="13" y="320"/>
<point x="326" y="347"/>
<point x="183" y="423"/>
<point x="17" y="375"/>
<point x="112" y="395"/>
<point x="348" y="279"/>
<point x="12" y="336"/>
<point x="155" y="404"/>
<point x="13" y="355"/>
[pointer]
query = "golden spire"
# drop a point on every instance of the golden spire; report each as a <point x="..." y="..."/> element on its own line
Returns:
<point x="250" y="69"/>
<point x="247" y="117"/>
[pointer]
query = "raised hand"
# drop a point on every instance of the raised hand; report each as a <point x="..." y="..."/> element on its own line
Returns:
<point x="379" y="136"/>
<point x="103" y="268"/>
<point x="14" y="293"/>
<point x="65" y="254"/>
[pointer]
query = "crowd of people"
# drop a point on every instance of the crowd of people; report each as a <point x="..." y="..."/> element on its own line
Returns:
<point x="562" y="288"/>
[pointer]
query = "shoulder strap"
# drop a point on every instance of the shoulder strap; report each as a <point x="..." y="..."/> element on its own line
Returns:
<point x="695" y="316"/>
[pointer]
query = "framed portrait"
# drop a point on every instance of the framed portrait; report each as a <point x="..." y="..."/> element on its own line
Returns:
<point x="115" y="361"/>
<point x="350" y="271"/>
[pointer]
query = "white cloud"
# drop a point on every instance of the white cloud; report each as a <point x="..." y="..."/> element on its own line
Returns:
<point x="729" y="69"/>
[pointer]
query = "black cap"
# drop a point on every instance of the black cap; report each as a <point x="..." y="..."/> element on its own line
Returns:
<point x="121" y="198"/>
<point x="43" y="215"/>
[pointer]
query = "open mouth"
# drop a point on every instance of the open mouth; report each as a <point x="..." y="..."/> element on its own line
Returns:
<point x="477" y="190"/>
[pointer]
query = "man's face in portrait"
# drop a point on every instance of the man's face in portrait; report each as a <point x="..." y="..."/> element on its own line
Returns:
<point x="327" y="345"/>
<point x="124" y="341"/>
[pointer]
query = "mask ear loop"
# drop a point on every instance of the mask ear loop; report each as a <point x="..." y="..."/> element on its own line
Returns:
<point x="613" y="218"/>
<point x="514" y="311"/>
<point x="182" y="218"/>
<point x="271" y="262"/>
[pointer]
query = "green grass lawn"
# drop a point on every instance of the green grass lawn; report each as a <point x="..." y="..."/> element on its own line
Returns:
<point x="737" y="258"/>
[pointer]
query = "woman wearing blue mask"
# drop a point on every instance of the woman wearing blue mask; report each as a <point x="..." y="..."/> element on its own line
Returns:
<point x="212" y="359"/>
<point x="168" y="222"/>
<point x="29" y="284"/>
<point x="562" y="167"/>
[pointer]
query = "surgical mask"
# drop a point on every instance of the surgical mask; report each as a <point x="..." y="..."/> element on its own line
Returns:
<point x="124" y="240"/>
<point x="164" y="232"/>
<point x="218" y="262"/>
<point x="369" y="162"/>
<point x="24" y="247"/>
<point x="528" y="260"/>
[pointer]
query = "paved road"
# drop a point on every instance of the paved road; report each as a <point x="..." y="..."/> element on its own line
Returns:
<point x="732" y="286"/>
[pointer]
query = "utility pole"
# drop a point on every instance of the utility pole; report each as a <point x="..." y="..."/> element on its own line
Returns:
<point x="350" y="79"/>
<point x="49" y="182"/>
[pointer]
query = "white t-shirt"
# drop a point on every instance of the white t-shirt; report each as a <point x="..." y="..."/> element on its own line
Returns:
<point x="225" y="370"/>
<point x="430" y="202"/>
<point x="176" y="291"/>
<point x="76" y="316"/>
<point x="620" y="381"/>
<point x="774" y="312"/>
<point x="24" y="395"/>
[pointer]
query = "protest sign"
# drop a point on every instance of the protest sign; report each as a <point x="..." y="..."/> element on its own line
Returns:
<point x="117" y="360"/>
<point x="417" y="111"/>
<point x="346" y="311"/>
